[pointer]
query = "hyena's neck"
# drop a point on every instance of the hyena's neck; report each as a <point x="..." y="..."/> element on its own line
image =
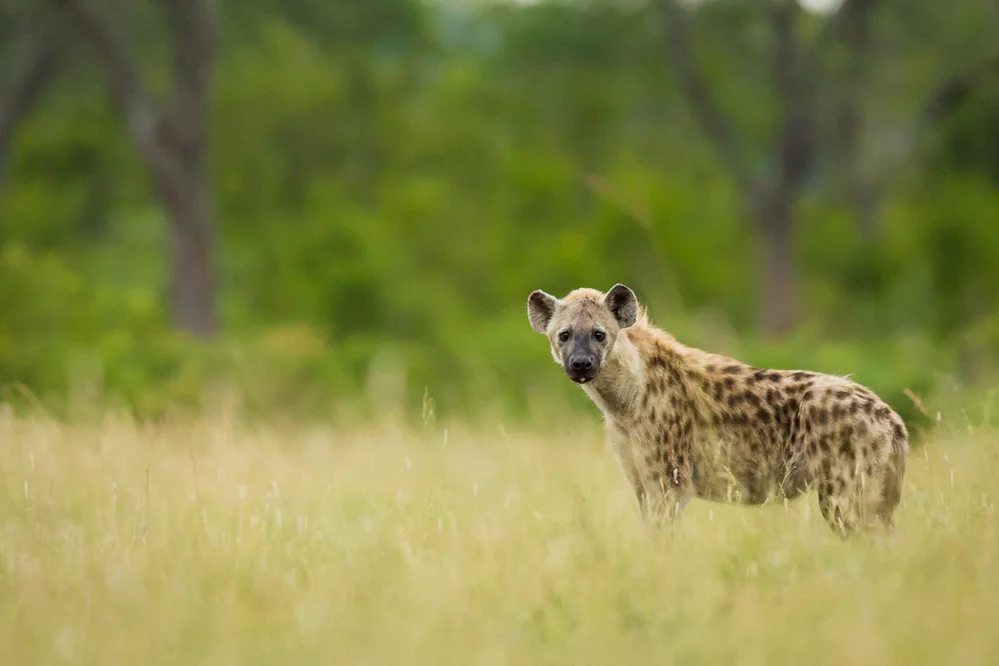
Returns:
<point x="618" y="387"/>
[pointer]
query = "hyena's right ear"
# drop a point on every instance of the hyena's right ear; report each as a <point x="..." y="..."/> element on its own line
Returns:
<point x="540" y="308"/>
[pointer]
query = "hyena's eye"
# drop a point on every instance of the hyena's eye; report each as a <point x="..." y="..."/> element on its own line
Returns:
<point x="599" y="336"/>
<point x="563" y="336"/>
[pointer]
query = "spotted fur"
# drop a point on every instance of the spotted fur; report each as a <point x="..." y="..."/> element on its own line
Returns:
<point x="687" y="423"/>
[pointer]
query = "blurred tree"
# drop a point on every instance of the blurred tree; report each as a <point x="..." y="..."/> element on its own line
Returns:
<point x="29" y="68"/>
<point x="818" y="78"/>
<point x="173" y="140"/>
<point x="391" y="177"/>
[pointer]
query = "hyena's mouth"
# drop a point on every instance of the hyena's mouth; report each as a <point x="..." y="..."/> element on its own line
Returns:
<point x="582" y="378"/>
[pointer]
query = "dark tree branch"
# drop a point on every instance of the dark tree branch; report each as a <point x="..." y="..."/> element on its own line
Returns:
<point x="123" y="79"/>
<point x="850" y="29"/>
<point x="708" y="114"/>
<point x="945" y="100"/>
<point x="955" y="91"/>
<point x="796" y="127"/>
<point x="193" y="28"/>
<point x="35" y="65"/>
<point x="853" y="17"/>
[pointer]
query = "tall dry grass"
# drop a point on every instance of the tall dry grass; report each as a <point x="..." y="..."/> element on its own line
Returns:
<point x="208" y="542"/>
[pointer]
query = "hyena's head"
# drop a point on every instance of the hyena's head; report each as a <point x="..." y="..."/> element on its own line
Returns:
<point x="583" y="326"/>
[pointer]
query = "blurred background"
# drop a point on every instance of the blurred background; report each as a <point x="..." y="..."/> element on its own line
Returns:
<point x="338" y="209"/>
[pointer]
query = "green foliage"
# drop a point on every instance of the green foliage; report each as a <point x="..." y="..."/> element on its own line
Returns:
<point x="393" y="179"/>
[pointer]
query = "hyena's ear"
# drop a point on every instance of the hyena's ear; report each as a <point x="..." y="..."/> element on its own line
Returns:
<point x="623" y="304"/>
<point x="540" y="308"/>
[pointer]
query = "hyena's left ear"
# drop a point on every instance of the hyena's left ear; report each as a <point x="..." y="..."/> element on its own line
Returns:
<point x="623" y="305"/>
<point x="540" y="309"/>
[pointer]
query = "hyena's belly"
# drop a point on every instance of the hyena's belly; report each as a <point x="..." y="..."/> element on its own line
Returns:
<point x="738" y="474"/>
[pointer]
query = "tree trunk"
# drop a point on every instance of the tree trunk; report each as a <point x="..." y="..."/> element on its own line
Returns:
<point x="777" y="298"/>
<point x="173" y="139"/>
<point x="192" y="254"/>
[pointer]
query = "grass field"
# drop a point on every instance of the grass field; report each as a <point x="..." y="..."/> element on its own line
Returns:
<point x="211" y="543"/>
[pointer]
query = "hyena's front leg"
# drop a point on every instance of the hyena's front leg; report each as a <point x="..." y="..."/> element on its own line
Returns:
<point x="624" y="452"/>
<point x="664" y="501"/>
<point x="667" y="483"/>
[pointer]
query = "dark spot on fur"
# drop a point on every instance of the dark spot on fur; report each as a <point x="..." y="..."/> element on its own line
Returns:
<point x="807" y="395"/>
<point x="763" y="416"/>
<point x="792" y="405"/>
<point x="729" y="383"/>
<point x="846" y="449"/>
<point x="734" y="399"/>
<point x="898" y="431"/>
<point x="841" y="393"/>
<point x="798" y="376"/>
<point x="760" y="375"/>
<point x="771" y="397"/>
<point x="732" y="370"/>
<point x="774" y="377"/>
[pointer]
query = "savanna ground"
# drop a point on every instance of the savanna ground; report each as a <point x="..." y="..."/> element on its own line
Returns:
<point x="209" y="541"/>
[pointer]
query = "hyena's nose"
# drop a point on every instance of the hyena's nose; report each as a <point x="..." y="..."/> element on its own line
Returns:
<point x="581" y="362"/>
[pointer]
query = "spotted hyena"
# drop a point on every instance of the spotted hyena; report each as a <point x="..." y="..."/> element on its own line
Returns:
<point x="687" y="423"/>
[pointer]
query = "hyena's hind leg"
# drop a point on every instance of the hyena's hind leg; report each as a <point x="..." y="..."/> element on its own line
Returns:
<point x="860" y="490"/>
<point x="839" y="508"/>
<point x="892" y="479"/>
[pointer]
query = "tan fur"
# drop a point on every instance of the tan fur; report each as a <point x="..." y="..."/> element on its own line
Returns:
<point x="686" y="423"/>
